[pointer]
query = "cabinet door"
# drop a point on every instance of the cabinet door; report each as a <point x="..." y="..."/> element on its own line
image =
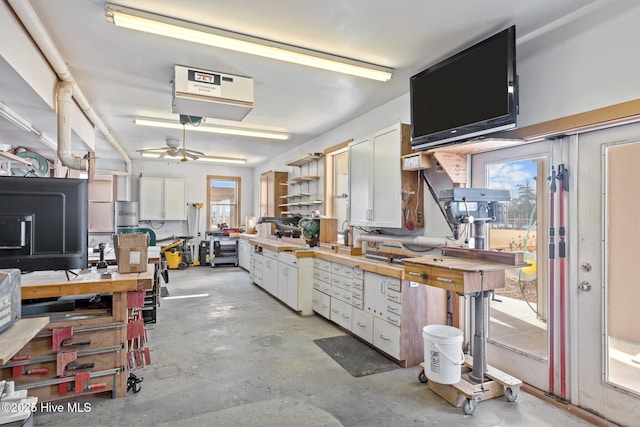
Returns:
<point x="360" y="172"/>
<point x="151" y="200"/>
<point x="270" y="275"/>
<point x="174" y="199"/>
<point x="387" y="179"/>
<point x="362" y="325"/>
<point x="375" y="300"/>
<point x="291" y="288"/>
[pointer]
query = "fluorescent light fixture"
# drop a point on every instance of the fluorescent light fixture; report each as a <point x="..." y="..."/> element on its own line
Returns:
<point x="220" y="159"/>
<point x="211" y="128"/>
<point x="210" y="36"/>
<point x="13" y="117"/>
<point x="151" y="155"/>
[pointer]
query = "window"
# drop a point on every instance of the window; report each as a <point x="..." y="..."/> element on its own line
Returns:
<point x="223" y="201"/>
<point x="337" y="184"/>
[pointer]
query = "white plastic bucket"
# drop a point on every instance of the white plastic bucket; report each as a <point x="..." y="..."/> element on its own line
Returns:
<point x="443" y="357"/>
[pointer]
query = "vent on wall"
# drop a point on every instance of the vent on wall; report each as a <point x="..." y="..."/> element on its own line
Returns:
<point x="211" y="94"/>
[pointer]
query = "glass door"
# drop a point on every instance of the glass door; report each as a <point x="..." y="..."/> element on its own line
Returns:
<point x="604" y="291"/>
<point x="517" y="335"/>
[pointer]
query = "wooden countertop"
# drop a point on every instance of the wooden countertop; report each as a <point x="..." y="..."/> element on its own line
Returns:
<point x="460" y="264"/>
<point x="47" y="284"/>
<point x="359" y="261"/>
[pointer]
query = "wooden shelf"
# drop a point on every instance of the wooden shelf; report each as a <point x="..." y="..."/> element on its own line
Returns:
<point x="288" y="196"/>
<point x="304" y="159"/>
<point x="18" y="335"/>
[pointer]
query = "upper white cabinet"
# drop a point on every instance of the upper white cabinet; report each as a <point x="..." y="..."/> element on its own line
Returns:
<point x="162" y="199"/>
<point x="375" y="178"/>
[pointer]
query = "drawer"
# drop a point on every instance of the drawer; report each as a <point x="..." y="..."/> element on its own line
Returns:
<point x="268" y="253"/>
<point x="322" y="286"/>
<point x="341" y="282"/>
<point x="357" y="284"/>
<point x="341" y="294"/>
<point x="358" y="273"/>
<point x="341" y="313"/>
<point x="394" y="308"/>
<point x="288" y="258"/>
<point x="362" y="325"/>
<point x="394" y="296"/>
<point x="323" y="275"/>
<point x="342" y="270"/>
<point x="393" y="318"/>
<point x="393" y="284"/>
<point x="446" y="279"/>
<point x="257" y="261"/>
<point x="386" y="337"/>
<point x="322" y="264"/>
<point x="357" y="293"/>
<point x="321" y="303"/>
<point x="357" y="302"/>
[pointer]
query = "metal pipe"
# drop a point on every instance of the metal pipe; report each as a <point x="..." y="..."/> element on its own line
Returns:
<point x="31" y="21"/>
<point x="64" y="100"/>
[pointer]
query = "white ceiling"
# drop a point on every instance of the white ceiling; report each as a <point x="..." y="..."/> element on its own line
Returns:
<point x="125" y="73"/>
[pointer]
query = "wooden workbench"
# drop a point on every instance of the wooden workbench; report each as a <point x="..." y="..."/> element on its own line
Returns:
<point x="106" y="330"/>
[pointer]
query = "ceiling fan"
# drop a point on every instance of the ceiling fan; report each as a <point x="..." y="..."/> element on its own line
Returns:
<point x="173" y="150"/>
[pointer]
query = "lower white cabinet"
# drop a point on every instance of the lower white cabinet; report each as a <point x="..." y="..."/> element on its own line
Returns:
<point x="362" y="325"/>
<point x="321" y="303"/>
<point x="341" y="313"/>
<point x="245" y="249"/>
<point x="295" y="282"/>
<point x="387" y="337"/>
<point x="258" y="268"/>
<point x="270" y="271"/>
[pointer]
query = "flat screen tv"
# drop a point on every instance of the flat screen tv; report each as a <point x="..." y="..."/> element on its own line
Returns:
<point x="470" y="94"/>
<point x="43" y="223"/>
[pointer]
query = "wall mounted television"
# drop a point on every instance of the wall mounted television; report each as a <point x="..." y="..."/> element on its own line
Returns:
<point x="43" y="223"/>
<point x="470" y="94"/>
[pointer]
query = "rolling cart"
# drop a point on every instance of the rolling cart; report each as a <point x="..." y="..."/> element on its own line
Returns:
<point x="223" y="249"/>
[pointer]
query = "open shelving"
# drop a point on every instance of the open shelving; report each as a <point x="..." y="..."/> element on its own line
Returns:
<point x="303" y="195"/>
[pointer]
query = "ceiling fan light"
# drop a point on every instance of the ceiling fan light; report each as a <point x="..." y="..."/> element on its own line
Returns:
<point x="221" y="159"/>
<point x="151" y="155"/>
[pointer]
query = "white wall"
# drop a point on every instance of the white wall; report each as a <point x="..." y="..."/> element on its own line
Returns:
<point x="195" y="175"/>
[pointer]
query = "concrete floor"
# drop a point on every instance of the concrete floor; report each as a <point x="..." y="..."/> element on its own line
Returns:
<point x="238" y="357"/>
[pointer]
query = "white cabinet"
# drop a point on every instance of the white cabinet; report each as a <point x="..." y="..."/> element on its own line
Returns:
<point x="244" y="253"/>
<point x="295" y="282"/>
<point x="362" y="325"/>
<point x="341" y="313"/>
<point x="162" y="199"/>
<point x="257" y="269"/>
<point x="378" y="292"/>
<point x="270" y="271"/>
<point x="386" y="337"/>
<point x="321" y="303"/>
<point x="375" y="179"/>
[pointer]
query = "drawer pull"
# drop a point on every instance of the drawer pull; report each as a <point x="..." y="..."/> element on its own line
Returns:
<point x="421" y="275"/>
<point x="324" y="305"/>
<point x="384" y="338"/>
<point x="362" y="325"/>
<point x="443" y="280"/>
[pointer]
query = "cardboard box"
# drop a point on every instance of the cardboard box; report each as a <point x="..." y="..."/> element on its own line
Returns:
<point x="132" y="252"/>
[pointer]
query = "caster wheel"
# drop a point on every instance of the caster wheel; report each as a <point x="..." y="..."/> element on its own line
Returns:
<point x="182" y="266"/>
<point x="422" y="377"/>
<point x="511" y="393"/>
<point x="137" y="388"/>
<point x="469" y="406"/>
